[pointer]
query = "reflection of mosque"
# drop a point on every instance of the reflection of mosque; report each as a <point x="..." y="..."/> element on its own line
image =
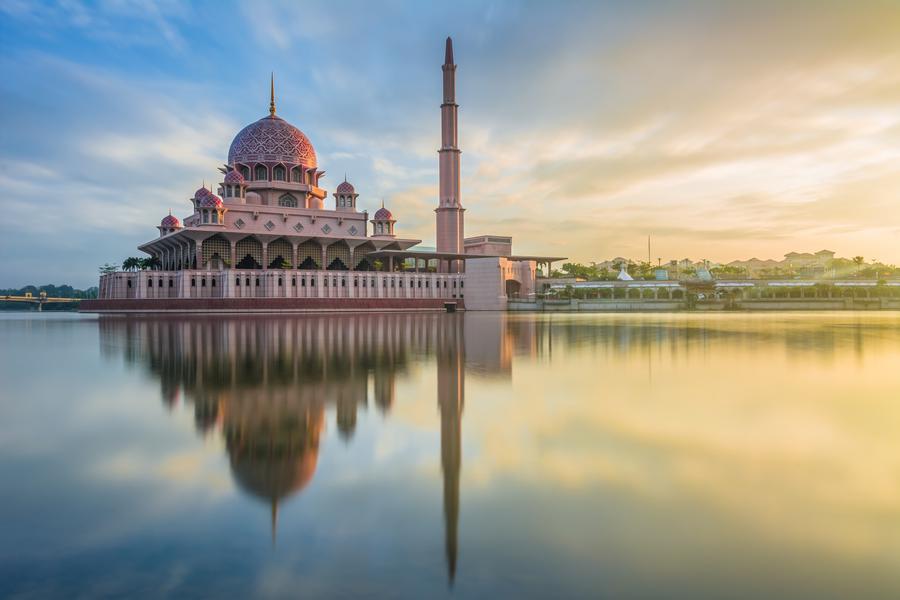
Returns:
<point x="266" y="383"/>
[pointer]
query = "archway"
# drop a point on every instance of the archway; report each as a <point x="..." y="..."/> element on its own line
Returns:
<point x="248" y="253"/>
<point x="513" y="288"/>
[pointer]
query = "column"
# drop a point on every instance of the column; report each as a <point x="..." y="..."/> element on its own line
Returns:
<point x="324" y="256"/>
<point x="233" y="254"/>
<point x="199" y="254"/>
<point x="265" y="255"/>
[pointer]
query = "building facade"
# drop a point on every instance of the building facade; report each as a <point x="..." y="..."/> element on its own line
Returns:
<point x="271" y="231"/>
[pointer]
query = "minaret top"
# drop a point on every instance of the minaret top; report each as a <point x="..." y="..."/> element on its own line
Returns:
<point x="272" y="95"/>
<point x="448" y="52"/>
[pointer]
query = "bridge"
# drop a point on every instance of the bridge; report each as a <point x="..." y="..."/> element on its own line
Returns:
<point x="39" y="301"/>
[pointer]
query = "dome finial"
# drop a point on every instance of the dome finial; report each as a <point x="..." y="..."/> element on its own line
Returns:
<point x="272" y="95"/>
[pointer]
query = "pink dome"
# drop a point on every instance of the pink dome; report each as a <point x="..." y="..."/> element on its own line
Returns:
<point x="383" y="214"/>
<point x="345" y="188"/>
<point x="201" y="193"/>
<point x="211" y="201"/>
<point x="272" y="140"/>
<point x="170" y="222"/>
<point x="234" y="176"/>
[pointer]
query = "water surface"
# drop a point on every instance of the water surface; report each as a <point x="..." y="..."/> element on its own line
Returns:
<point x="476" y="455"/>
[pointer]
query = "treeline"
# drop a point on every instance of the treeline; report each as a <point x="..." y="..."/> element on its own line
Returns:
<point x="53" y="291"/>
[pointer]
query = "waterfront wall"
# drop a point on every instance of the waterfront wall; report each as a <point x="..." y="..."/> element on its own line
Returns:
<point x="641" y="305"/>
<point x="262" y="305"/>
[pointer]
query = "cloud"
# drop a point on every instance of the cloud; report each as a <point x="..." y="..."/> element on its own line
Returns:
<point x="630" y="120"/>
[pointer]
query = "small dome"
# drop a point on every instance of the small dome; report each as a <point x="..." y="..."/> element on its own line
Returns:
<point x="345" y="188"/>
<point x="383" y="214"/>
<point x="201" y="193"/>
<point x="211" y="201"/>
<point x="234" y="176"/>
<point x="170" y="222"/>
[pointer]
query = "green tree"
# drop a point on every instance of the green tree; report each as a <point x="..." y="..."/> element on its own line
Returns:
<point x="858" y="261"/>
<point x="108" y="268"/>
<point x="131" y="263"/>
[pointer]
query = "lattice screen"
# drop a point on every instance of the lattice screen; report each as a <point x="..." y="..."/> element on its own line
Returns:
<point x="338" y="251"/>
<point x="309" y="250"/>
<point x="279" y="252"/>
<point x="249" y="247"/>
<point x="216" y="245"/>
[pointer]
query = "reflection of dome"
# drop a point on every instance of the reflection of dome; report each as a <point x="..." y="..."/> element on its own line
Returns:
<point x="345" y="187"/>
<point x="170" y="222"/>
<point x="234" y="177"/>
<point x="383" y="214"/>
<point x="201" y="193"/>
<point x="272" y="139"/>
<point x="273" y="478"/>
<point x="211" y="201"/>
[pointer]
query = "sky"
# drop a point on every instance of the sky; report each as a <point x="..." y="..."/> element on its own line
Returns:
<point x="723" y="130"/>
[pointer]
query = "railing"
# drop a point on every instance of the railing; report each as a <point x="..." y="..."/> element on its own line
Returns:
<point x="278" y="283"/>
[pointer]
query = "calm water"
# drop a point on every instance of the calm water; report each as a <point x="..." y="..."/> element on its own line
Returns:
<point x="479" y="455"/>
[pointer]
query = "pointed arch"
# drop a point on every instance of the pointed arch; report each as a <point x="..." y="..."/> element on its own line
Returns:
<point x="216" y="252"/>
<point x="280" y="254"/>
<point x="248" y="253"/>
<point x="309" y="255"/>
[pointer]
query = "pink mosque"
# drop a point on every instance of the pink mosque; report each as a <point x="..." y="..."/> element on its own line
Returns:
<point x="267" y="240"/>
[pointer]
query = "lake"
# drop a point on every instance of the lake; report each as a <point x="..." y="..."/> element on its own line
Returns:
<point x="431" y="455"/>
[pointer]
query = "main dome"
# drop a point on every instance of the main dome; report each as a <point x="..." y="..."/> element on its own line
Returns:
<point x="272" y="140"/>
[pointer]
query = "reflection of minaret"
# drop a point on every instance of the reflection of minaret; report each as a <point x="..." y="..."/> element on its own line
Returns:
<point x="451" y="394"/>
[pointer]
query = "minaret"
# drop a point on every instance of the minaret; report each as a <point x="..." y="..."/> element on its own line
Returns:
<point x="449" y="233"/>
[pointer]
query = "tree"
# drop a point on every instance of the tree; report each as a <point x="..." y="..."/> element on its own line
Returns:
<point x="131" y="263"/>
<point x="148" y="263"/>
<point x="858" y="260"/>
<point x="108" y="268"/>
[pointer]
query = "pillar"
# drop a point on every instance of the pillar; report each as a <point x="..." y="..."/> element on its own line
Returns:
<point x="265" y="255"/>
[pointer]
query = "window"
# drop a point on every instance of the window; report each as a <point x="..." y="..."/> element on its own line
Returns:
<point x="287" y="201"/>
<point x="312" y="283"/>
<point x="149" y="283"/>
<point x="278" y="173"/>
<point x="193" y="282"/>
<point x="303" y="282"/>
<point x="462" y="284"/>
<point x="279" y="282"/>
<point x="293" y="282"/>
<point x="129" y="283"/>
<point x="171" y="283"/>
<point x="237" y="281"/>
<point x="248" y="282"/>
<point x="326" y="282"/>
<point x="295" y="175"/>
<point x="343" y="282"/>
<point x="213" y="283"/>
<point x="245" y="171"/>
<point x="426" y="283"/>
<point x="257" y="282"/>
<point x="260" y="173"/>
<point x="203" y="282"/>
<point x="419" y="282"/>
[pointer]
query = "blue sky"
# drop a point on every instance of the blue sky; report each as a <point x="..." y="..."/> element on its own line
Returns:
<point x="725" y="130"/>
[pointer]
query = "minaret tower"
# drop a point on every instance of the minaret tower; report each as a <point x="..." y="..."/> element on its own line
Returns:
<point x="449" y="233"/>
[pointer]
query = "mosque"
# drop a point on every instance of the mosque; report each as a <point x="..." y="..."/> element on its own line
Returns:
<point x="269" y="238"/>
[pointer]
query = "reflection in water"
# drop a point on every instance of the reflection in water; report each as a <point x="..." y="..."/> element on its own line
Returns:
<point x="265" y="384"/>
<point x="656" y="455"/>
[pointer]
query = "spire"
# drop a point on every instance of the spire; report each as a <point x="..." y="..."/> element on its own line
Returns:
<point x="448" y="52"/>
<point x="272" y="95"/>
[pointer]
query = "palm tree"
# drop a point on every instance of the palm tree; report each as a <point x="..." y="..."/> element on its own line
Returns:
<point x="859" y="260"/>
<point x="131" y="263"/>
